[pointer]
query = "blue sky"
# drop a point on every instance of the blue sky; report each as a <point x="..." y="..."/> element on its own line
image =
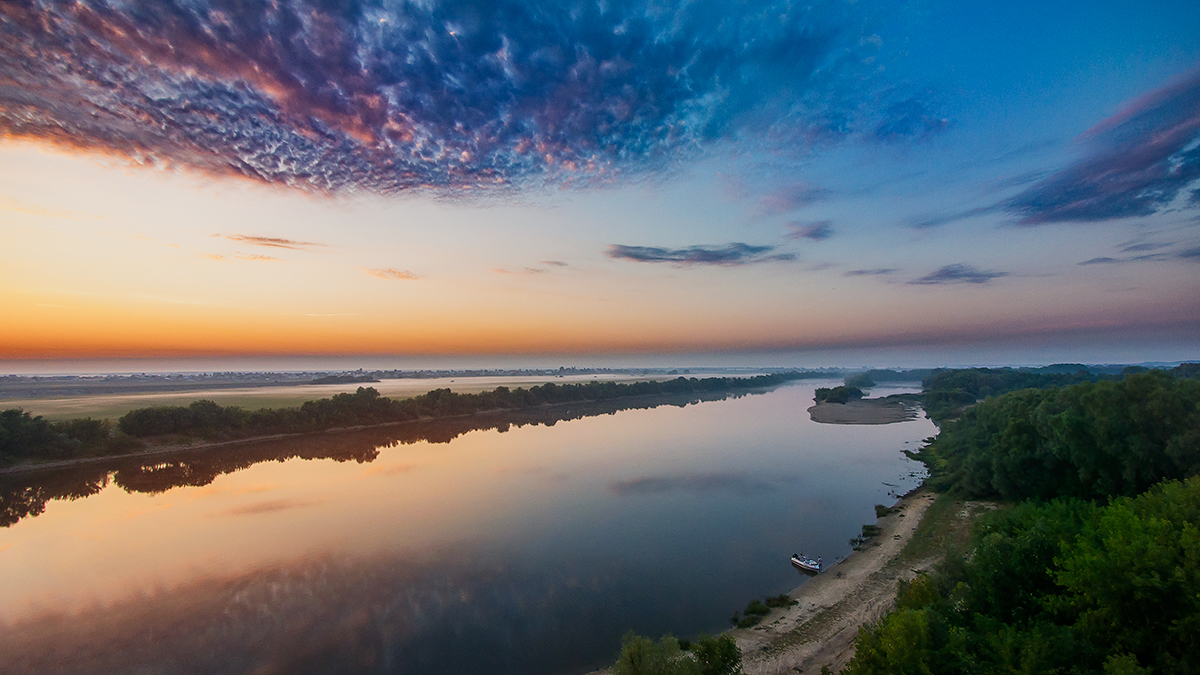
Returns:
<point x="867" y="180"/>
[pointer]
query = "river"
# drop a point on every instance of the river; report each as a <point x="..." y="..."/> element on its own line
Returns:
<point x="498" y="547"/>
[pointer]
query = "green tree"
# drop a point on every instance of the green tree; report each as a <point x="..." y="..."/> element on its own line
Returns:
<point x="643" y="656"/>
<point x="1134" y="578"/>
<point x="717" y="655"/>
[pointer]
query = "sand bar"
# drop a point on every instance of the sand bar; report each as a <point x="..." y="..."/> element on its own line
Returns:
<point x="865" y="411"/>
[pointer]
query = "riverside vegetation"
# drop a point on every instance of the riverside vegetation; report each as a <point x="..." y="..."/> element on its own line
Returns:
<point x="1092" y="567"/>
<point x="1094" y="564"/>
<point x="24" y="437"/>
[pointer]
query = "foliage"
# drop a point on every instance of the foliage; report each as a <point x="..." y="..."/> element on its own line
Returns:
<point x="839" y="394"/>
<point x="754" y="613"/>
<point x="23" y="436"/>
<point x="717" y="655"/>
<point x="1064" y="586"/>
<point x="709" y="656"/>
<point x="781" y="600"/>
<point x="1093" y="440"/>
<point x="915" y="375"/>
<point x="861" y="381"/>
<point x="881" y="510"/>
<point x="948" y="392"/>
<point x="643" y="656"/>
<point x="366" y="406"/>
<point x="1096" y="569"/>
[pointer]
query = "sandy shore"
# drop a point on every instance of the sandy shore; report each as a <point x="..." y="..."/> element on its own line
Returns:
<point x="860" y="589"/>
<point x="820" y="630"/>
<point x="865" y="411"/>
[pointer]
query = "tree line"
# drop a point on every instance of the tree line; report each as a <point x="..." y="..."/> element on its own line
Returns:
<point x="1093" y="567"/>
<point x="23" y="436"/>
<point x="26" y="494"/>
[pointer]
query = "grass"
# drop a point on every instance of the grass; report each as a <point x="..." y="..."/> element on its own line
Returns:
<point x="757" y="609"/>
<point x="946" y="526"/>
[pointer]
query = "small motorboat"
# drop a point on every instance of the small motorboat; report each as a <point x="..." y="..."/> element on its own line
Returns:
<point x="806" y="564"/>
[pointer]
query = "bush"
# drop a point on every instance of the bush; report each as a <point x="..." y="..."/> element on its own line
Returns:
<point x="709" y="656"/>
<point x="781" y="600"/>
<point x="842" y="394"/>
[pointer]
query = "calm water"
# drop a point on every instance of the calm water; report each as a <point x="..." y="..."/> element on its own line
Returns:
<point x="511" y="549"/>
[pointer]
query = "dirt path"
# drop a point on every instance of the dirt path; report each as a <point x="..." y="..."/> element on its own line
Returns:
<point x="820" y="630"/>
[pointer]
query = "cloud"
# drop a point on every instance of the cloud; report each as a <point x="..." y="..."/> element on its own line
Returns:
<point x="1145" y="257"/>
<point x="958" y="274"/>
<point x="252" y="257"/>
<point x="878" y="271"/>
<point x="1139" y="161"/>
<point x="390" y="273"/>
<point x="818" y="230"/>
<point x="790" y="198"/>
<point x="442" y="96"/>
<point x="1190" y="254"/>
<point x="9" y="204"/>
<point x="272" y="242"/>
<point x="947" y="218"/>
<point x="908" y="119"/>
<point x="1145" y="246"/>
<point x="533" y="270"/>
<point x="729" y="255"/>
<point x="713" y="482"/>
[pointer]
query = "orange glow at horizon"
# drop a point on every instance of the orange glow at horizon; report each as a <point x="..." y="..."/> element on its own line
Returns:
<point x="150" y="263"/>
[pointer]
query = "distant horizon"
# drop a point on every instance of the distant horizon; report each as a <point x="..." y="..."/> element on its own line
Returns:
<point x="348" y="363"/>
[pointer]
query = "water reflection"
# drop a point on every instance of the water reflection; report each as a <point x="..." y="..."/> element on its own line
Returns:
<point x="26" y="494"/>
<point x="521" y="547"/>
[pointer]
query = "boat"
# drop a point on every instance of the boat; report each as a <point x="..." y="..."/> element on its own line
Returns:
<point x="806" y="564"/>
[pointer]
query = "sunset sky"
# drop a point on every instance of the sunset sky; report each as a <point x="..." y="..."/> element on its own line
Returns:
<point x="761" y="182"/>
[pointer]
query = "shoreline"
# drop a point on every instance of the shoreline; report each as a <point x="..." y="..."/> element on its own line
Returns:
<point x="857" y="590"/>
<point x="169" y="449"/>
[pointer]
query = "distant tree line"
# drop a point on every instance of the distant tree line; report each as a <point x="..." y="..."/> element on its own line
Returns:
<point x="26" y="494"/>
<point x="870" y="378"/>
<point x="838" y="394"/>
<point x="948" y="392"/>
<point x="206" y="419"/>
<point x="1095" y="567"/>
<point x="23" y="436"/>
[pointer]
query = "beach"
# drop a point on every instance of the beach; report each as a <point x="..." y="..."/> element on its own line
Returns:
<point x="860" y="589"/>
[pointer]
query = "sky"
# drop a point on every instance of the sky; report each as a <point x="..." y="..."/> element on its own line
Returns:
<point x="750" y="183"/>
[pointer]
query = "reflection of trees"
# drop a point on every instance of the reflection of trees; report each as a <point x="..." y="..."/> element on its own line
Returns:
<point x="24" y="495"/>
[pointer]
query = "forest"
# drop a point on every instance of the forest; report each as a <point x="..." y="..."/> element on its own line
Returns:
<point x="1091" y="564"/>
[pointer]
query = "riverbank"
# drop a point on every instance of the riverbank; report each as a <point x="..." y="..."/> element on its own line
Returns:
<point x="819" y="631"/>
<point x="428" y="428"/>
